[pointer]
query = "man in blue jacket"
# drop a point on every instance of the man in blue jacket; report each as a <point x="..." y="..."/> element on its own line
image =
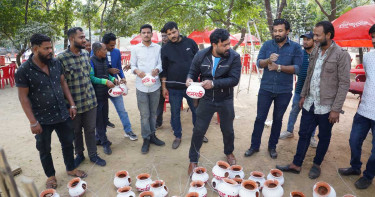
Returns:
<point x="115" y="69"/>
<point x="219" y="68"/>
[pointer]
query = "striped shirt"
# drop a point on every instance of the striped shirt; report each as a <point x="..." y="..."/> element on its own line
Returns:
<point x="302" y="72"/>
<point x="77" y="74"/>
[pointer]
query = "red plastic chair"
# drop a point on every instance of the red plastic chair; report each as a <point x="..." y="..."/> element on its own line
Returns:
<point x="12" y="71"/>
<point x="360" y="78"/>
<point x="246" y="64"/>
<point x="2" y="60"/>
<point x="6" y="76"/>
<point x="359" y="66"/>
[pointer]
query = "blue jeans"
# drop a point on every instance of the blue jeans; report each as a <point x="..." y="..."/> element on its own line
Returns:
<point x="147" y="105"/>
<point x="175" y="100"/>
<point x="309" y="121"/>
<point x="118" y="102"/>
<point x="294" y="114"/>
<point x="280" y="103"/>
<point x="360" y="129"/>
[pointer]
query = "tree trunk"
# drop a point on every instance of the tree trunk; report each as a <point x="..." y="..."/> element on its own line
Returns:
<point x="280" y="8"/>
<point x="269" y="15"/>
<point x="332" y="15"/>
<point x="101" y="20"/>
<point x="229" y="14"/>
<point x="243" y="34"/>
<point x="66" y="28"/>
<point x="23" y="49"/>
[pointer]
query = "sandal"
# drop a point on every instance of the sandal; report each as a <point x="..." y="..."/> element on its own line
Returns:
<point x="287" y="168"/>
<point x="51" y="183"/>
<point x="77" y="173"/>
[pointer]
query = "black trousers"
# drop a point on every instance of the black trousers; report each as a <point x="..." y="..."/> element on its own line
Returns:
<point x="205" y="111"/>
<point x="65" y="132"/>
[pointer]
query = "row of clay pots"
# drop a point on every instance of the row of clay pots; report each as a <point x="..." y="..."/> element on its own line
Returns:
<point x="76" y="187"/>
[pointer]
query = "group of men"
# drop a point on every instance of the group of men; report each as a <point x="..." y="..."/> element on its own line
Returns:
<point x="70" y="92"/>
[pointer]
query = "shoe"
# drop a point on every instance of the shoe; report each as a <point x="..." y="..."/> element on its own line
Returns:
<point x="349" y="171"/>
<point x="250" y="152"/>
<point x="286" y="134"/>
<point x="363" y="183"/>
<point x="78" y="160"/>
<point x="287" y="168"/>
<point x="313" y="142"/>
<point x="191" y="168"/>
<point x="131" y="135"/>
<point x="176" y="143"/>
<point x="314" y="172"/>
<point x="99" y="143"/>
<point x="231" y="159"/>
<point x="156" y="141"/>
<point x="145" y="146"/>
<point x="110" y="124"/>
<point x="107" y="149"/>
<point x="205" y="140"/>
<point x="273" y="153"/>
<point x="97" y="160"/>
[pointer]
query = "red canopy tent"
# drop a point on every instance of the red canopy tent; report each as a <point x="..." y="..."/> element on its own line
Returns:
<point x="203" y="37"/>
<point x="351" y="28"/>
<point x="156" y="38"/>
<point x="247" y="38"/>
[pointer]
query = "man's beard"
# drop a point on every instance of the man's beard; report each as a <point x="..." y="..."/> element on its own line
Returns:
<point x="324" y="43"/>
<point x="76" y="45"/>
<point x="308" y="48"/>
<point x="224" y="54"/>
<point x="279" y="40"/>
<point x="45" y="59"/>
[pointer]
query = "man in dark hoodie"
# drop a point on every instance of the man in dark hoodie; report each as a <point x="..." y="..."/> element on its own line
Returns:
<point x="177" y="56"/>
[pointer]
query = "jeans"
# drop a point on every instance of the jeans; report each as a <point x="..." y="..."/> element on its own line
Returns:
<point x="101" y="121"/>
<point x="147" y="105"/>
<point x="360" y="129"/>
<point x="118" y="102"/>
<point x="175" y="100"/>
<point x="87" y="120"/>
<point x="205" y="111"/>
<point x="65" y="132"/>
<point x="280" y="103"/>
<point x="294" y="114"/>
<point x="160" y="110"/>
<point x="309" y="121"/>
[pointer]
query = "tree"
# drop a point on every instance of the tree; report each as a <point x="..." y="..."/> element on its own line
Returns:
<point x="279" y="10"/>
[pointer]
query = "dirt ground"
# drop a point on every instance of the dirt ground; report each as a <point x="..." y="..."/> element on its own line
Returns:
<point x="171" y="165"/>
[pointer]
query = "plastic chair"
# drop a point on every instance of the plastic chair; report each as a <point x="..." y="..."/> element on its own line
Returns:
<point x="360" y="78"/>
<point x="246" y="64"/>
<point x="359" y="66"/>
<point x="6" y="76"/>
<point x="12" y="71"/>
<point x="2" y="60"/>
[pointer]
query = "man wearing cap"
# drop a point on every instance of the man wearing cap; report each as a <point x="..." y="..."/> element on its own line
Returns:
<point x="308" y="45"/>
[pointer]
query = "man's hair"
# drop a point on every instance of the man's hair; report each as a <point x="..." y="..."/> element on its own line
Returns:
<point x="372" y="29"/>
<point x="87" y="40"/>
<point x="145" y="26"/>
<point x="170" y="25"/>
<point x="108" y="37"/>
<point x="327" y="28"/>
<point x="280" y="22"/>
<point x="38" y="39"/>
<point x="72" y="31"/>
<point x="163" y="30"/>
<point x="96" y="47"/>
<point x="219" y="35"/>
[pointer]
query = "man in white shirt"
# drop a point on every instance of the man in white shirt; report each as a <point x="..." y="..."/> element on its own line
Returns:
<point x="145" y="58"/>
<point x="363" y="121"/>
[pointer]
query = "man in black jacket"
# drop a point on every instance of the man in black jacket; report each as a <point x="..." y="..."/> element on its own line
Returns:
<point x="177" y="56"/>
<point x="220" y="70"/>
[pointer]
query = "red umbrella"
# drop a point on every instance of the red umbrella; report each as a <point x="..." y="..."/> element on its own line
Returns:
<point x="156" y="38"/>
<point x="247" y="37"/>
<point x="203" y="37"/>
<point x="351" y="28"/>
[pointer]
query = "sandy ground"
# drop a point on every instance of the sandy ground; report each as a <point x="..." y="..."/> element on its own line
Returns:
<point x="171" y="165"/>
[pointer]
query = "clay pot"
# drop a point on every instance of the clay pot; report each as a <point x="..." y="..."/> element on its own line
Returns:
<point x="125" y="192"/>
<point x="272" y="188"/>
<point x="122" y="179"/>
<point x="195" y="90"/>
<point x="258" y="177"/>
<point x="239" y="182"/>
<point x="192" y="194"/>
<point x="148" y="80"/>
<point x="77" y="187"/>
<point x="200" y="174"/>
<point x="124" y="89"/>
<point x="236" y="171"/>
<point x="49" y="193"/>
<point x="115" y="91"/>
<point x="159" y="188"/>
<point x="215" y="182"/>
<point x="228" y="188"/>
<point x="198" y="187"/>
<point x="249" y="188"/>
<point x="276" y="174"/>
<point x="221" y="170"/>
<point x="143" y="182"/>
<point x="323" y="189"/>
<point x="146" y="194"/>
<point x="297" y="194"/>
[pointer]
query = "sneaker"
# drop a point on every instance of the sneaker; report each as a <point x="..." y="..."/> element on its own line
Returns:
<point x="145" y="146"/>
<point x="131" y="135"/>
<point x="313" y="142"/>
<point x="156" y="141"/>
<point x="286" y="134"/>
<point x="107" y="149"/>
<point x="78" y="160"/>
<point x="110" y="124"/>
<point x="99" y="143"/>
<point x="97" y="160"/>
<point x="363" y="183"/>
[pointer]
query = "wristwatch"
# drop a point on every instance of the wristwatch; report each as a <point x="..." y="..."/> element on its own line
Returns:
<point x="212" y="83"/>
<point x="278" y="68"/>
<point x="73" y="107"/>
